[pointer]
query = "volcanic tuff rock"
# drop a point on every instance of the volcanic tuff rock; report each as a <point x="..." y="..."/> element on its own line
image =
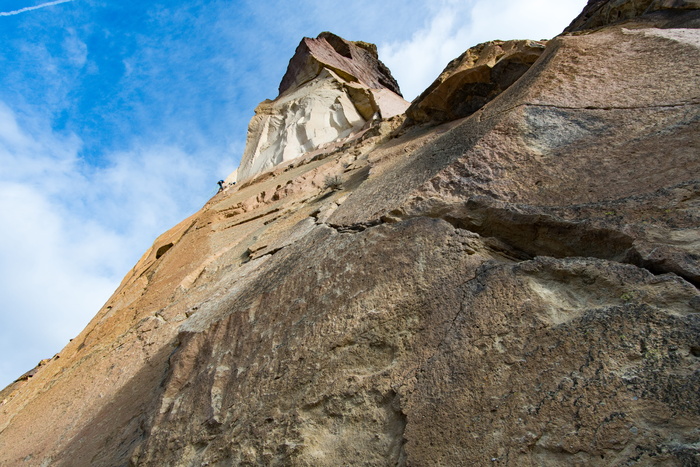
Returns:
<point x="659" y="13"/>
<point x="333" y="89"/>
<point x="354" y="61"/>
<point x="518" y="287"/>
<point x="473" y="79"/>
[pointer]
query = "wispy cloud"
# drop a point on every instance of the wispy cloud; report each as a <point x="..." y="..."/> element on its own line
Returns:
<point x="71" y="231"/>
<point x="36" y="7"/>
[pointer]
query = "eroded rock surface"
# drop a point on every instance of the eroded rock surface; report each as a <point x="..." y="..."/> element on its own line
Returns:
<point x="333" y="88"/>
<point x="473" y="79"/>
<point x="355" y="61"/>
<point x="518" y="287"/>
<point x="658" y="13"/>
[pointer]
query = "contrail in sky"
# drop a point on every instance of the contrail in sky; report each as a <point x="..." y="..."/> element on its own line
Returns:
<point x="30" y="8"/>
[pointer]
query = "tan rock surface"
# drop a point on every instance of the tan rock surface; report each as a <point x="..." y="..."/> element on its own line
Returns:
<point x="354" y="61"/>
<point x="517" y="288"/>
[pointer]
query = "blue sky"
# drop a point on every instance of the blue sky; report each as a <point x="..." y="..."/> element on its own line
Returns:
<point x="118" y="117"/>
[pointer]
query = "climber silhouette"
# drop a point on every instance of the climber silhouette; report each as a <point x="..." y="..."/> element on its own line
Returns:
<point x="221" y="185"/>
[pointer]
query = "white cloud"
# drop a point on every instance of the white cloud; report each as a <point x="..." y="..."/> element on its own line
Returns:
<point x="10" y="133"/>
<point x="417" y="62"/>
<point x="45" y="254"/>
<point x="457" y="25"/>
<point x="536" y="19"/>
<point x="30" y="8"/>
<point x="71" y="231"/>
<point x="76" y="50"/>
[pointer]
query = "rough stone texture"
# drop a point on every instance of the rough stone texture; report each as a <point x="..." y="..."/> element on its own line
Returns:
<point x="354" y="61"/>
<point x="659" y="13"/>
<point x="473" y="79"/>
<point x="515" y="288"/>
<point x="333" y="89"/>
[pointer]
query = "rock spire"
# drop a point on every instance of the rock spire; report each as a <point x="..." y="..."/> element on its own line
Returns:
<point x="332" y="90"/>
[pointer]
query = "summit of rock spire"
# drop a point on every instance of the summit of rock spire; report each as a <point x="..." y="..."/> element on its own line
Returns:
<point x="353" y="61"/>
<point x="332" y="90"/>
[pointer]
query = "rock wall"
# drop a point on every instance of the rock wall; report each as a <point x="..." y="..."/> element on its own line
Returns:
<point x="518" y="287"/>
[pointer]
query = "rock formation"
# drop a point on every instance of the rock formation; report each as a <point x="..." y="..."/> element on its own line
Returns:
<point x="333" y="88"/>
<point x="473" y="79"/>
<point x="518" y="287"/>
<point x="658" y="13"/>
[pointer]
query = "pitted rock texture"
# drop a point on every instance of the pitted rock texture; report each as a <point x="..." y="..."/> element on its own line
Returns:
<point x="517" y="288"/>
<point x="473" y="79"/>
<point x="333" y="89"/>
<point x="659" y="13"/>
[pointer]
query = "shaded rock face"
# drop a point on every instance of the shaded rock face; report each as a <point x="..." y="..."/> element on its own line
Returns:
<point x="599" y="13"/>
<point x="473" y="79"/>
<point x="518" y="287"/>
<point x="333" y="89"/>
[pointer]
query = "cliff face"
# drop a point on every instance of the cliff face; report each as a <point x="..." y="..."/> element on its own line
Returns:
<point x="517" y="287"/>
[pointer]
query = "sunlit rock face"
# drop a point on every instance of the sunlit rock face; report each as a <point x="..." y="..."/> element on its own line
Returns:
<point x="297" y="122"/>
<point x="333" y="88"/>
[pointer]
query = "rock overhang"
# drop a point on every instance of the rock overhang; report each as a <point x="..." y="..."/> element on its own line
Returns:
<point x="402" y="319"/>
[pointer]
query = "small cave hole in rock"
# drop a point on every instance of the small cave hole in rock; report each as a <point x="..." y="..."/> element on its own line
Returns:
<point x="695" y="351"/>
<point x="163" y="250"/>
